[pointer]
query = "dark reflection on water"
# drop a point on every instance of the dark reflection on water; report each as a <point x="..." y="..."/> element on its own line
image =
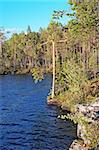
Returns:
<point x="26" y="121"/>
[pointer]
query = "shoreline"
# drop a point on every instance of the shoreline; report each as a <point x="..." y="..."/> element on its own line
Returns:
<point x="89" y="112"/>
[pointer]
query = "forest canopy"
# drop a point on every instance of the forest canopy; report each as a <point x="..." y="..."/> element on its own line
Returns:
<point x="70" y="52"/>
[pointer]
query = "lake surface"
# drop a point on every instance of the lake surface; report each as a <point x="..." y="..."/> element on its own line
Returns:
<point x="26" y="121"/>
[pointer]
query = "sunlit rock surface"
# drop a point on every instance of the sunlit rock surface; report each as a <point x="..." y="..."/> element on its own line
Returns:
<point x="90" y="111"/>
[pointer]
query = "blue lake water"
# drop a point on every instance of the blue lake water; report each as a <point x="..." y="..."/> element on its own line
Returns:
<point x="26" y="121"/>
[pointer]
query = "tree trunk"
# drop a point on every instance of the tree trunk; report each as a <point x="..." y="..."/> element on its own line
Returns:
<point x="97" y="59"/>
<point x="56" y="53"/>
<point x="53" y="83"/>
<point x="84" y="56"/>
<point x="30" y="62"/>
<point x="1" y="58"/>
<point x="14" y="60"/>
<point x="88" y="52"/>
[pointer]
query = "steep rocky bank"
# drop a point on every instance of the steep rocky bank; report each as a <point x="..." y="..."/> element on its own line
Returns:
<point x="87" y="117"/>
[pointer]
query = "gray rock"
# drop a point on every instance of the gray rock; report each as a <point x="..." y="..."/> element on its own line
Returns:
<point x="89" y="110"/>
<point x="77" y="145"/>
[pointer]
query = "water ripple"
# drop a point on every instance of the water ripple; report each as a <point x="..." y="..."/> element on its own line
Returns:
<point x="26" y="122"/>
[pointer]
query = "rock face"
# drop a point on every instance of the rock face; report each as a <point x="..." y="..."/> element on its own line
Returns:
<point x="77" y="145"/>
<point x="90" y="111"/>
<point x="53" y="102"/>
